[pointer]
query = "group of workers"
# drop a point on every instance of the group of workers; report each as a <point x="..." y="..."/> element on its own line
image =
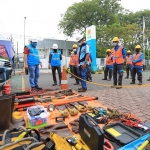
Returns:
<point x="80" y="63"/>
<point x="115" y="64"/>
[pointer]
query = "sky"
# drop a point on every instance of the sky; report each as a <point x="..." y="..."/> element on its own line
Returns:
<point x="42" y="18"/>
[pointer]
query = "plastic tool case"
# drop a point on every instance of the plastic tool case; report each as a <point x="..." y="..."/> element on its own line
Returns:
<point x="91" y="133"/>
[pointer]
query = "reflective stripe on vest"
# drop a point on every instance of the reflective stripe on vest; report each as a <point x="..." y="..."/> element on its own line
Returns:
<point x="136" y="57"/>
<point x="117" y="55"/>
<point x="129" y="60"/>
<point x="109" y="60"/>
<point x="75" y="59"/>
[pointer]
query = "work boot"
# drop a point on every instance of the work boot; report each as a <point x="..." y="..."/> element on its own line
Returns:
<point x="140" y="83"/>
<point x="114" y="86"/>
<point x="33" y="89"/>
<point x="54" y="84"/>
<point x="38" y="88"/>
<point x="148" y="79"/>
<point x="82" y="90"/>
<point x="119" y="87"/>
<point x="132" y="82"/>
<point x="5" y="111"/>
<point x="76" y="83"/>
<point x="104" y="79"/>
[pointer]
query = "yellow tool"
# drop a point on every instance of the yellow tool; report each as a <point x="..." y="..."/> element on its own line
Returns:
<point x="144" y="144"/>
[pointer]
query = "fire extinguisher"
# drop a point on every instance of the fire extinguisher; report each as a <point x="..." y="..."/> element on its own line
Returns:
<point x="6" y="88"/>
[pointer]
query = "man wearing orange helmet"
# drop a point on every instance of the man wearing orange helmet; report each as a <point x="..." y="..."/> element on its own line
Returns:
<point x="137" y="61"/>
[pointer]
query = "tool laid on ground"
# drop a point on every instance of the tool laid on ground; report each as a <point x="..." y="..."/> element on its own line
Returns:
<point x="99" y="114"/>
<point x="73" y="142"/>
<point x="113" y="113"/>
<point x="89" y="130"/>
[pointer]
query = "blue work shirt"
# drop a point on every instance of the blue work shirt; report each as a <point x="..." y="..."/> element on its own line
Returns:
<point x="139" y="60"/>
<point x="82" y="51"/>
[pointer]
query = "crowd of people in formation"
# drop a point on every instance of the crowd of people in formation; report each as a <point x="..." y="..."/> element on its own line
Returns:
<point x="80" y="64"/>
<point x="115" y="64"/>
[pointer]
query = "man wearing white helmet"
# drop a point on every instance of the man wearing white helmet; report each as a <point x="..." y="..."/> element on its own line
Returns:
<point x="83" y="52"/>
<point x="31" y="62"/>
<point x="55" y="58"/>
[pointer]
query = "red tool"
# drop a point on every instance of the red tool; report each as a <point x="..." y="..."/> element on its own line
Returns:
<point x="108" y="145"/>
<point x="131" y="123"/>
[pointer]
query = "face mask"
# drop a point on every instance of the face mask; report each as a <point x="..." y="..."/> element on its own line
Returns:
<point x="74" y="50"/>
<point x="34" y="44"/>
<point x="114" y="44"/>
<point x="137" y="50"/>
<point x="80" y="44"/>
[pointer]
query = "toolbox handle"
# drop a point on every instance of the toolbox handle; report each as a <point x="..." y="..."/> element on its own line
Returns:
<point x="91" y="119"/>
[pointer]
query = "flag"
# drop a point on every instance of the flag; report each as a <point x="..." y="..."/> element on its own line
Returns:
<point x="144" y="28"/>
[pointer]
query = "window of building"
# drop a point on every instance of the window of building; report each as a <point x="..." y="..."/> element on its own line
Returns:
<point x="61" y="50"/>
<point x="69" y="51"/>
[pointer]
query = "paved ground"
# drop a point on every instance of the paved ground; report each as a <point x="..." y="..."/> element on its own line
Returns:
<point x="136" y="100"/>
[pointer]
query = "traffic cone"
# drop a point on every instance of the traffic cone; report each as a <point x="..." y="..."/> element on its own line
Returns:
<point x="64" y="82"/>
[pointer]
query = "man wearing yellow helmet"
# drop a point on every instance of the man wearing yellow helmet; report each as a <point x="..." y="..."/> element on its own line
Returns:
<point x="71" y="64"/>
<point x="109" y="65"/>
<point x="75" y="58"/>
<point x="119" y="54"/>
<point x="128" y="64"/>
<point x="137" y="61"/>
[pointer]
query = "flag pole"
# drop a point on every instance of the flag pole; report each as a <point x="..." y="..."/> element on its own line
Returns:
<point x="144" y="37"/>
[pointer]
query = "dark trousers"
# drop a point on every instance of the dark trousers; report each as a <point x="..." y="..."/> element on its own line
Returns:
<point x="106" y="71"/>
<point x="83" y="75"/>
<point x="117" y="69"/>
<point x="54" y="68"/>
<point x="76" y="73"/>
<point x="129" y="68"/>
<point x="89" y="76"/>
<point x="71" y="70"/>
<point x="137" y="71"/>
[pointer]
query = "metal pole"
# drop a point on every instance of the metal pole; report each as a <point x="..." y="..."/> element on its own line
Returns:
<point x="24" y="29"/>
<point x="17" y="56"/>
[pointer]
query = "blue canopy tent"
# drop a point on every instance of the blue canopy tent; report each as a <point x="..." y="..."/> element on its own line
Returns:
<point x="5" y="47"/>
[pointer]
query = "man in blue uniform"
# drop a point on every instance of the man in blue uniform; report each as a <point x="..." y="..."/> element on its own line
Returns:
<point x="55" y="58"/>
<point x="83" y="52"/>
<point x="32" y="62"/>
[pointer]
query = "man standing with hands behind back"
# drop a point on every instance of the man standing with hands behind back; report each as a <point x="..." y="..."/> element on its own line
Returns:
<point x="55" y="58"/>
<point x="31" y="62"/>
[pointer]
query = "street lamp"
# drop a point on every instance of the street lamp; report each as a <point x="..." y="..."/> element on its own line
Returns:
<point x="24" y="29"/>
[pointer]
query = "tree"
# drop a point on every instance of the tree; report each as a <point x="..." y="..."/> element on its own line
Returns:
<point x="87" y="13"/>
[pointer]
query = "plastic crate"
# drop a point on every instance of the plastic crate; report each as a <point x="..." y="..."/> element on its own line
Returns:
<point x="40" y="119"/>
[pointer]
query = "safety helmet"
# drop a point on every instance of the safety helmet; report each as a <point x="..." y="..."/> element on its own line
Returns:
<point x="72" y="52"/>
<point x="74" y="46"/>
<point x="33" y="40"/>
<point x="138" y="47"/>
<point x="108" y="51"/>
<point x="79" y="38"/>
<point x="55" y="46"/>
<point x="115" y="39"/>
<point x="128" y="51"/>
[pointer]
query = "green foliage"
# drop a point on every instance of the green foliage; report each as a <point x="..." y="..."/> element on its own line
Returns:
<point x="110" y="19"/>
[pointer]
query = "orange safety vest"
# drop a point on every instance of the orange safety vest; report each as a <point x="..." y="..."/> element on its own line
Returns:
<point x="129" y="60"/>
<point x="75" y="59"/>
<point x="109" y="60"/>
<point x="117" y="55"/>
<point x="71" y="60"/>
<point x="136" y="57"/>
